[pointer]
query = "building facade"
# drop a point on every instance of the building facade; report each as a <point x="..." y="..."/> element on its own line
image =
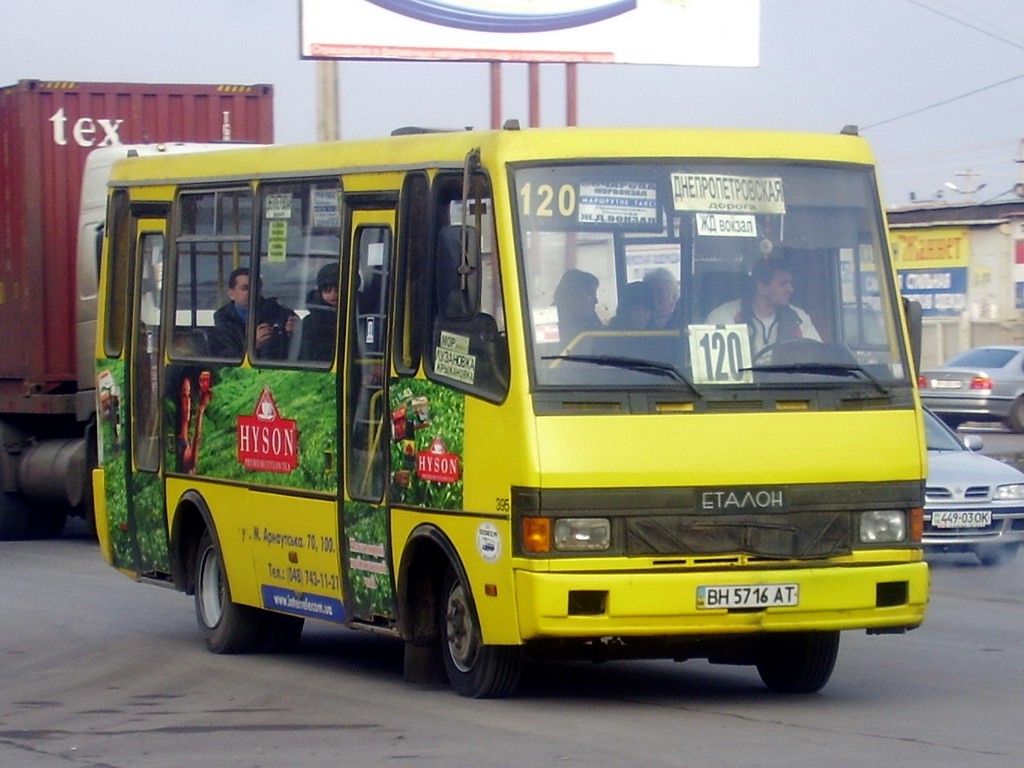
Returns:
<point x="965" y="264"/>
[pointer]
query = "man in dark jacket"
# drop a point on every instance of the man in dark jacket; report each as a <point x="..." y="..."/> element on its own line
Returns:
<point x="274" y="323"/>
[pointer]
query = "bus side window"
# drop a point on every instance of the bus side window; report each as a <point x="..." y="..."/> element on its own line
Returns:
<point x="118" y="271"/>
<point x="367" y="344"/>
<point x="145" y="423"/>
<point x="411" y="275"/>
<point x="214" y="238"/>
<point x="300" y="244"/>
<point x="469" y="347"/>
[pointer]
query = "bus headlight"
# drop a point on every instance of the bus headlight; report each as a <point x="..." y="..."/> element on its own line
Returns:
<point x="880" y="526"/>
<point x="582" y="534"/>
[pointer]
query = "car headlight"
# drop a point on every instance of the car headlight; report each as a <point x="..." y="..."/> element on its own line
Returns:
<point x="1013" y="492"/>
<point x="883" y="525"/>
<point x="582" y="534"/>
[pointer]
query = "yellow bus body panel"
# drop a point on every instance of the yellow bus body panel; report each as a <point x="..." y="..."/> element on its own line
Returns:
<point x="729" y="449"/>
<point x="266" y="538"/>
<point x="99" y="486"/>
<point x="496" y="611"/>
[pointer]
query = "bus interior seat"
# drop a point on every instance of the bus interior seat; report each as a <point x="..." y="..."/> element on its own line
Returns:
<point x="718" y="287"/>
<point x="189" y="342"/>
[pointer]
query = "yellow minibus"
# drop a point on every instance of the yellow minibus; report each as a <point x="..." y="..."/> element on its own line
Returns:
<point x="515" y="394"/>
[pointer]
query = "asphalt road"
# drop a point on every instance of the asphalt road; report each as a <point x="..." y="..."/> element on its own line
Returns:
<point x="97" y="671"/>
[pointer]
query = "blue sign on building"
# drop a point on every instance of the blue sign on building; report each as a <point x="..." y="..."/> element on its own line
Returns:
<point x="941" y="292"/>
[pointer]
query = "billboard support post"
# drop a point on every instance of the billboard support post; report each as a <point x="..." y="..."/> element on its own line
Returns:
<point x="327" y="127"/>
<point x="570" y="94"/>
<point x="534" y="69"/>
<point x="495" y="95"/>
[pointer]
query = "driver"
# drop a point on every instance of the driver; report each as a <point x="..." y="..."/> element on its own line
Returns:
<point x="766" y="311"/>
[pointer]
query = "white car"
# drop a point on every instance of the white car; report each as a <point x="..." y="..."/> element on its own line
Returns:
<point x="973" y="503"/>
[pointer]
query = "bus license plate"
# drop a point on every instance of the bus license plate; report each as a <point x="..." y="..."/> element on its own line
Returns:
<point x="748" y="596"/>
<point x="962" y="518"/>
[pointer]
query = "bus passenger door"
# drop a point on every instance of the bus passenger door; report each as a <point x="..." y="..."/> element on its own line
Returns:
<point x="146" y="513"/>
<point x="364" y="527"/>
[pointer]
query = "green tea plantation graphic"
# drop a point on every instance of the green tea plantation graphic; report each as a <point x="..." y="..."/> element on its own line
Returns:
<point x="271" y="427"/>
<point x="428" y="431"/>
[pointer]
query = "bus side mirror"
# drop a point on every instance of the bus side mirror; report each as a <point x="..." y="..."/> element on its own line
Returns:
<point x="457" y="272"/>
<point x="912" y="309"/>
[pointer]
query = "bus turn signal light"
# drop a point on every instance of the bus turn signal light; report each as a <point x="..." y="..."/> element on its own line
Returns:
<point x="537" y="535"/>
<point x="916" y="524"/>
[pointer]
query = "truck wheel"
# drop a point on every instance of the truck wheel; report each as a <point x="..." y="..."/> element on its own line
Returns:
<point x="48" y="524"/>
<point x="226" y="626"/>
<point x="475" y="670"/>
<point x="801" y="662"/>
<point x="15" y="517"/>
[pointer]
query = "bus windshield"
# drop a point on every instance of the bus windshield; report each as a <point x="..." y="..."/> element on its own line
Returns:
<point x="706" y="275"/>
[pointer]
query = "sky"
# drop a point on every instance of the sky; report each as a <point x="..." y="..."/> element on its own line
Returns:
<point x="936" y="86"/>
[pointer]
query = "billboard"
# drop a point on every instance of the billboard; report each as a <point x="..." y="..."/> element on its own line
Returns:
<point x="932" y="267"/>
<point x="722" y="33"/>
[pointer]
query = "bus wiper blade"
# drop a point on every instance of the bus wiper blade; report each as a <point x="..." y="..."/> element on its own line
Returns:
<point x="836" y="369"/>
<point x="631" y="364"/>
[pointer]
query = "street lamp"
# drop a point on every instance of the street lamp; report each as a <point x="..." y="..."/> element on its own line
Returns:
<point x="970" y="190"/>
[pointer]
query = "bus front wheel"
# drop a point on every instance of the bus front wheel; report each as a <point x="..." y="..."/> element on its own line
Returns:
<point x="226" y="626"/>
<point x="800" y="662"/>
<point x="475" y="670"/>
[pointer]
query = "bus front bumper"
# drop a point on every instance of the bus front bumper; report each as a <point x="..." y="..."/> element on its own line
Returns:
<point x="881" y="598"/>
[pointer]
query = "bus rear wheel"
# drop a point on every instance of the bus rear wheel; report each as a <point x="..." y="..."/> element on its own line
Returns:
<point x="800" y="662"/>
<point x="226" y="627"/>
<point x="474" y="669"/>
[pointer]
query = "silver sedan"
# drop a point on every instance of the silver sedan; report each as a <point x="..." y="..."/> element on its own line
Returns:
<point x="980" y="384"/>
<point x="973" y="503"/>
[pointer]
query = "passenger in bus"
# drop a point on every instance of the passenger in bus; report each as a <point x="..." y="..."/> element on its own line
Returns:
<point x="319" y="325"/>
<point x="275" y="323"/>
<point x="575" y="299"/>
<point x="636" y="308"/>
<point x="666" y="295"/>
<point x="766" y="311"/>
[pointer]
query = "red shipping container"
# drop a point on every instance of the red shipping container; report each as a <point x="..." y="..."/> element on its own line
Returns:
<point x="46" y="131"/>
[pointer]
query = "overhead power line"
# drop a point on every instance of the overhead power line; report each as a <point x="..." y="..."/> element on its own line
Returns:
<point x="957" y="20"/>
<point x="944" y="102"/>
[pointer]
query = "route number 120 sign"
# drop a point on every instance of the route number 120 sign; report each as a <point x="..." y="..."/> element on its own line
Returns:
<point x="720" y="354"/>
